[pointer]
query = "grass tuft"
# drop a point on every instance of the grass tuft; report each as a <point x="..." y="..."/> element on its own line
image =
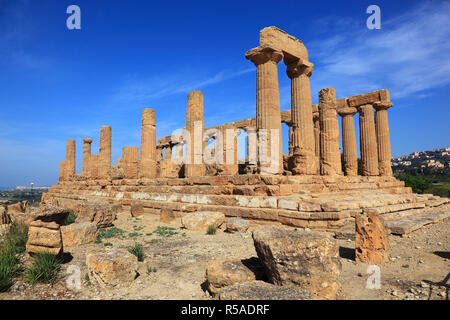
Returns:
<point x="138" y="251"/>
<point x="70" y="219"/>
<point x="44" y="269"/>
<point x="211" y="230"/>
<point x="9" y="267"/>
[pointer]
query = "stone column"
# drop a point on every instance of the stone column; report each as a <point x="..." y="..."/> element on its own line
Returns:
<point x="104" y="155"/>
<point x="306" y="162"/>
<point x="70" y="160"/>
<point x="349" y="141"/>
<point x="159" y="153"/>
<point x="147" y="163"/>
<point x="195" y="125"/>
<point x="93" y="166"/>
<point x="383" y="139"/>
<point x="62" y="170"/>
<point x="86" y="154"/>
<point x="130" y="160"/>
<point x="291" y="140"/>
<point x="330" y="156"/>
<point x="316" y="120"/>
<point x="268" y="114"/>
<point x="168" y="152"/>
<point x="368" y="141"/>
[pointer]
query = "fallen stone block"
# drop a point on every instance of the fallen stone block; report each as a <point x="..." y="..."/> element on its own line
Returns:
<point x="306" y="259"/>
<point x="260" y="290"/>
<point x="371" y="238"/>
<point x="49" y="214"/>
<point x="110" y="268"/>
<point x="229" y="272"/>
<point x="102" y="214"/>
<point x="79" y="233"/>
<point x="237" y="225"/>
<point x="44" y="237"/>
<point x="137" y="210"/>
<point x="202" y="220"/>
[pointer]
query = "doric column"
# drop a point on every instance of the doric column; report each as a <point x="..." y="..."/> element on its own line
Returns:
<point x="368" y="141"/>
<point x="130" y="160"/>
<point x="86" y="154"/>
<point x="316" y="120"/>
<point x="330" y="156"/>
<point x="168" y="152"/>
<point x="93" y="166"/>
<point x="70" y="159"/>
<point x="62" y="171"/>
<point x="159" y="153"/>
<point x="147" y="163"/>
<point x="349" y="141"/>
<point x="104" y="155"/>
<point x="299" y="71"/>
<point x="268" y="116"/>
<point x="383" y="139"/>
<point x="291" y="140"/>
<point x="195" y="125"/>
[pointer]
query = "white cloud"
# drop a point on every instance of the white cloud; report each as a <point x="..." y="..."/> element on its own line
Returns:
<point x="408" y="55"/>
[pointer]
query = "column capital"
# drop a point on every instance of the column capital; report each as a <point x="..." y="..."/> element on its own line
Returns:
<point x="297" y="67"/>
<point x="87" y="140"/>
<point x="349" y="111"/>
<point x="263" y="54"/>
<point x="382" y="105"/>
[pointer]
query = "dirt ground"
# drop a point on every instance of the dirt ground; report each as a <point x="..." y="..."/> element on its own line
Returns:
<point x="174" y="265"/>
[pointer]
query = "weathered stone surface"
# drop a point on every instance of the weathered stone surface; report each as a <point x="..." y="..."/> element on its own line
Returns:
<point x="306" y="259"/>
<point x="49" y="214"/>
<point x="137" y="210"/>
<point x="237" y="225"/>
<point x="79" y="233"/>
<point x="116" y="173"/>
<point x="109" y="268"/>
<point x="229" y="272"/>
<point x="44" y="237"/>
<point x="168" y="216"/>
<point x="4" y="217"/>
<point x="202" y="220"/>
<point x="102" y="214"/>
<point x="260" y="290"/>
<point x="16" y="207"/>
<point x="279" y="39"/>
<point x="368" y="141"/>
<point x="371" y="239"/>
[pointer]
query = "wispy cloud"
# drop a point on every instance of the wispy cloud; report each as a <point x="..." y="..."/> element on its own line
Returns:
<point x="137" y="90"/>
<point x="409" y="55"/>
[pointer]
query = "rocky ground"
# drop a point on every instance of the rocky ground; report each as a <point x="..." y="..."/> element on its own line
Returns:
<point x="176" y="260"/>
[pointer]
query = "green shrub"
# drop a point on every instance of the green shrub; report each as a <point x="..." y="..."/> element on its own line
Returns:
<point x="70" y="219"/>
<point x="418" y="183"/>
<point x="165" y="231"/>
<point x="17" y="237"/>
<point x="138" y="251"/>
<point x="9" y="267"/>
<point x="109" y="233"/>
<point x="44" y="269"/>
<point x="211" y="230"/>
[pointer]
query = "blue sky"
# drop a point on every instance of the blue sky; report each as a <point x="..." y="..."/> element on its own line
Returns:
<point x="58" y="84"/>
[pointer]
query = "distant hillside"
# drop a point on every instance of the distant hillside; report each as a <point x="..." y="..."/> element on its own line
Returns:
<point x="424" y="162"/>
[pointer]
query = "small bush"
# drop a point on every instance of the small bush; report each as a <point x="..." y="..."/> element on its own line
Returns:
<point x="108" y="244"/>
<point x="211" y="230"/>
<point x="138" y="251"/>
<point x="109" y="233"/>
<point x="165" y="231"/>
<point x="8" y="267"/>
<point x="70" y="219"/>
<point x="44" y="269"/>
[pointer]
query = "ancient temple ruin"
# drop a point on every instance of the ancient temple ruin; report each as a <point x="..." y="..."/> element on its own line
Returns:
<point x="306" y="188"/>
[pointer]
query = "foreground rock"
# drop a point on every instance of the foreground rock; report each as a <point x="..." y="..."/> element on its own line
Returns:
<point x="237" y="225"/>
<point x="306" y="259"/>
<point x="260" y="290"/>
<point x="79" y="233"/>
<point x="44" y="237"/>
<point x="110" y="268"/>
<point x="202" y="220"/>
<point x="229" y="272"/>
<point x="102" y="214"/>
<point x="16" y="207"/>
<point x="371" y="238"/>
<point x="49" y="214"/>
<point x="137" y="210"/>
<point x="167" y="215"/>
<point x="4" y="217"/>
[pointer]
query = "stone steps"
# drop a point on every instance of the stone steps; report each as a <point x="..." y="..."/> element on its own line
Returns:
<point x="410" y="223"/>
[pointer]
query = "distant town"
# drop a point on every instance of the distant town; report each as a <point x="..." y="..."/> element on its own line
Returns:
<point x="434" y="161"/>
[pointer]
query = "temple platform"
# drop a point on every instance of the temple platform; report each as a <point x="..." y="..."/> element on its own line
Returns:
<point x="327" y="203"/>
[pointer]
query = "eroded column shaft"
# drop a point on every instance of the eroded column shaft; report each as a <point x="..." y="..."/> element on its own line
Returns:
<point x="86" y="154"/>
<point x="130" y="160"/>
<point x="383" y="140"/>
<point x="70" y="160"/>
<point x="104" y="155"/>
<point x="368" y="141"/>
<point x="147" y="163"/>
<point x="195" y="125"/>
<point x="349" y="143"/>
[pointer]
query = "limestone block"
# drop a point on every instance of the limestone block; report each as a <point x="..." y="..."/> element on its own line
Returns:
<point x="229" y="272"/>
<point x="44" y="237"/>
<point x="79" y="233"/>
<point x="279" y="39"/>
<point x="202" y="220"/>
<point x="237" y="225"/>
<point x="137" y="209"/>
<point x="306" y="259"/>
<point x="102" y="214"/>
<point x="110" y="268"/>
<point x="371" y="238"/>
